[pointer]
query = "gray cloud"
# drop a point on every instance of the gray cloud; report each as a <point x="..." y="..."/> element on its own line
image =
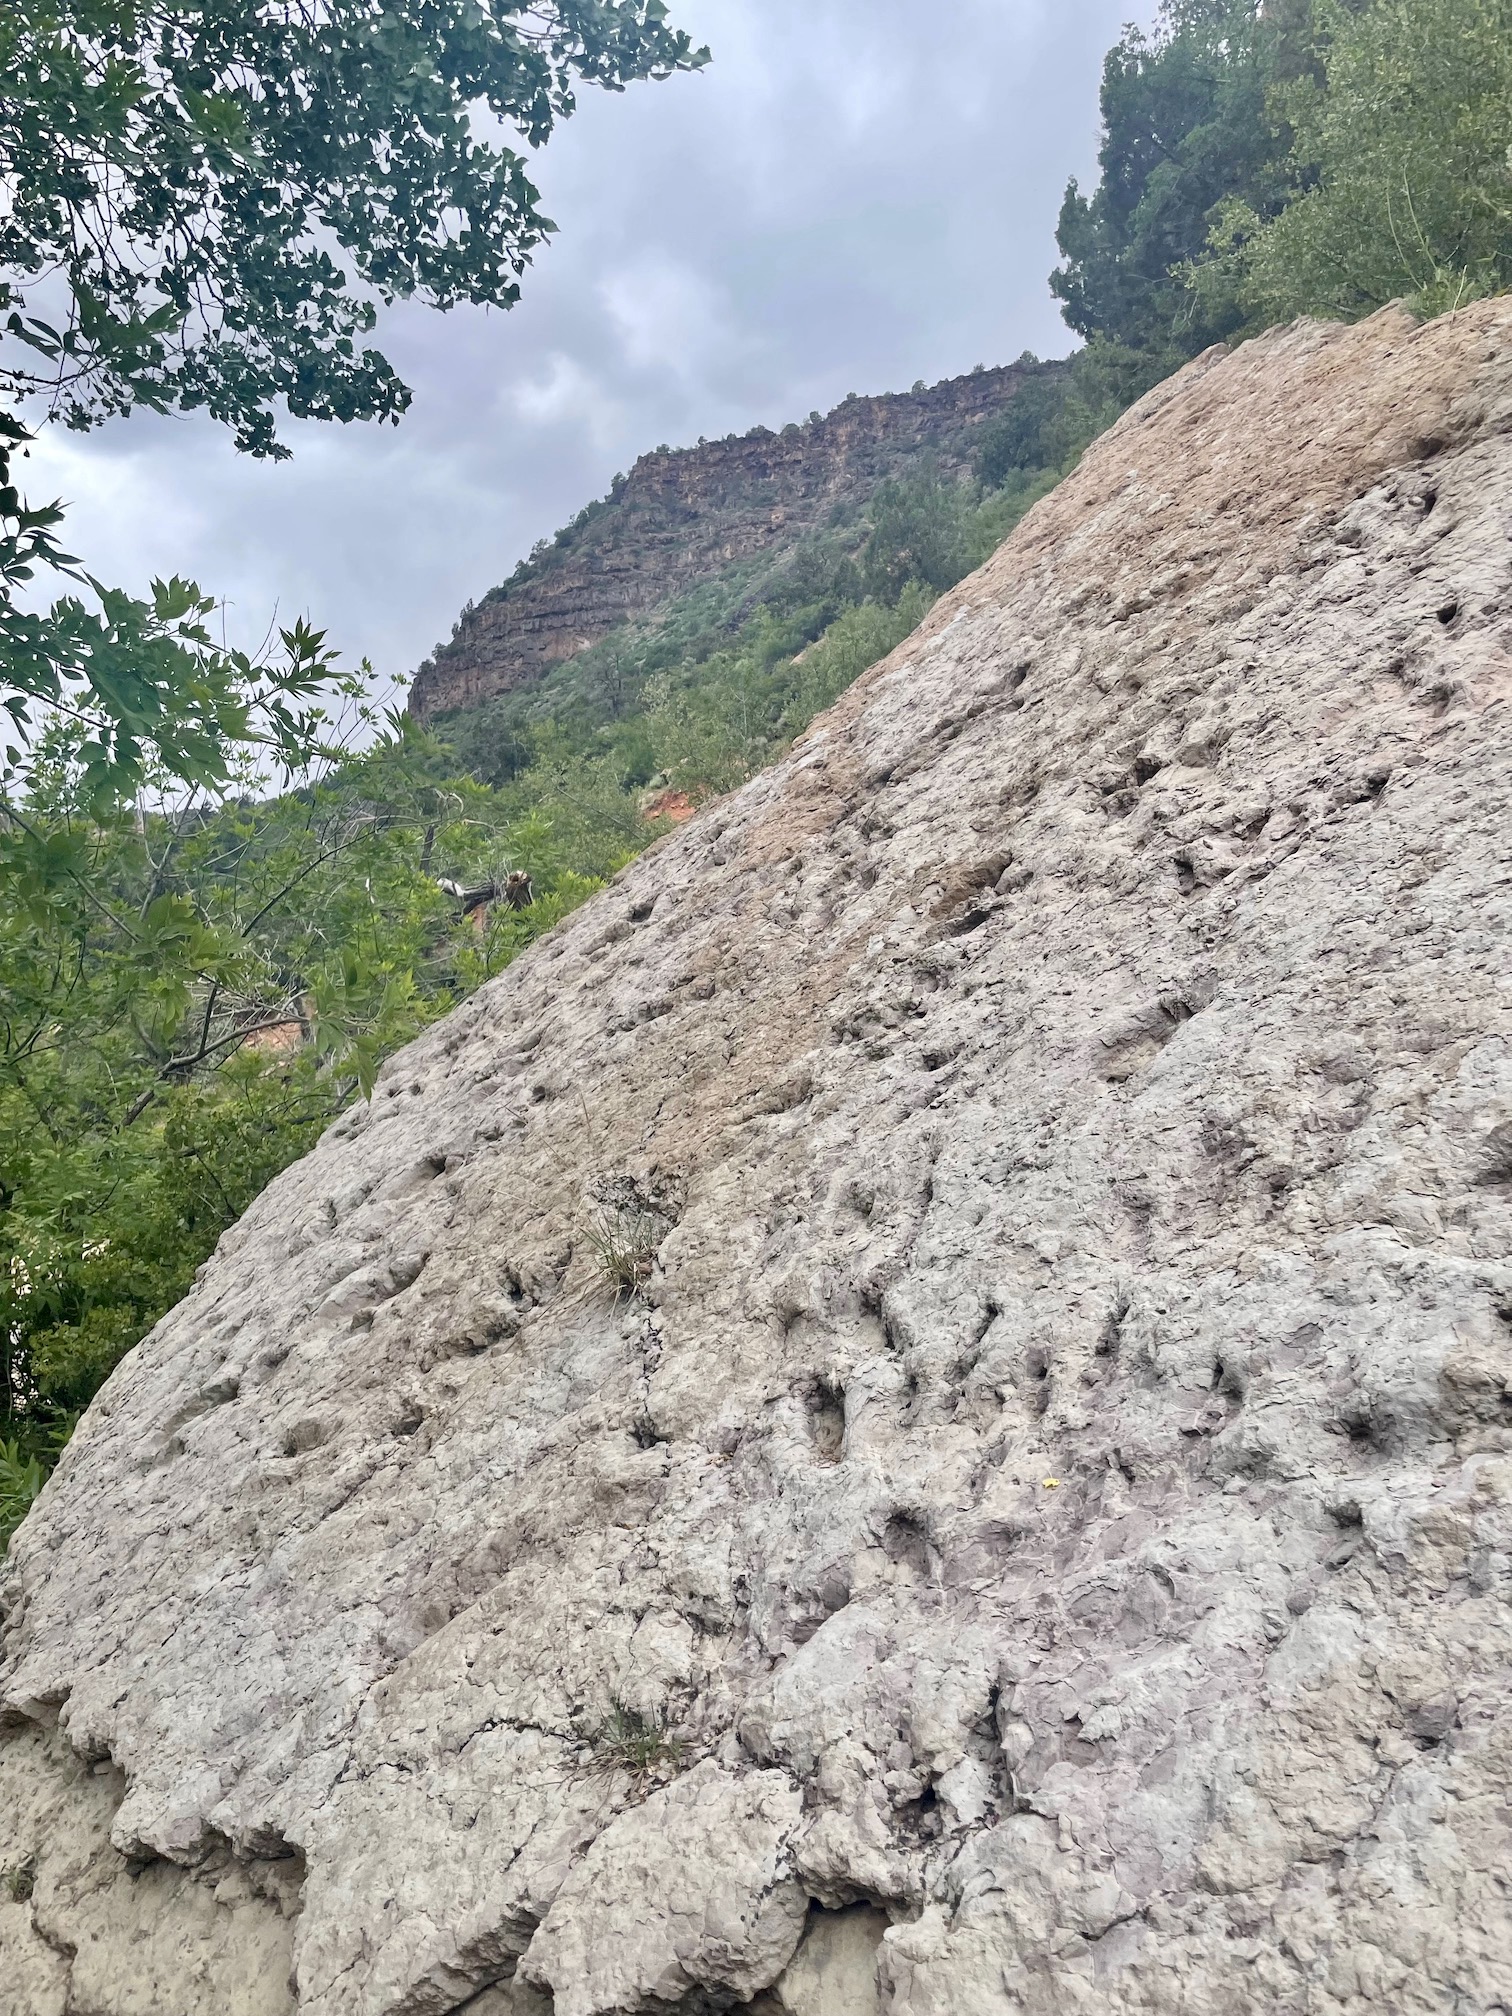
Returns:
<point x="856" y="194"/>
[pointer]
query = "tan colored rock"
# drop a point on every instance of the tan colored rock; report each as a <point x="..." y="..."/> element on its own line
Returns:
<point x="834" y="1972"/>
<point x="699" y="1877"/>
<point x="83" y="1930"/>
<point x="1054" y="1483"/>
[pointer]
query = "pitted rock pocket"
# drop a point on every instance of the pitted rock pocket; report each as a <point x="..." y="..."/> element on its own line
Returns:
<point x="1133" y="1041"/>
<point x="214" y="1393"/>
<point x="784" y="1095"/>
<point x="960" y="893"/>
<point x="356" y="1299"/>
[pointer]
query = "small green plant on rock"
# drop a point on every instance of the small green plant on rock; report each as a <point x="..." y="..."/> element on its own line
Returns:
<point x="22" y="1880"/>
<point x="632" y="1217"/>
<point x="637" y="1743"/>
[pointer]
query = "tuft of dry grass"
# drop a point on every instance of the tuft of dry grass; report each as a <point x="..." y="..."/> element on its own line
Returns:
<point x="623" y="1243"/>
<point x="630" y="1741"/>
<point x="632" y="1217"/>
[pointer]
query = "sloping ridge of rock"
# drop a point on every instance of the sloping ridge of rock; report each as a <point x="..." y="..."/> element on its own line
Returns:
<point x="685" y="516"/>
<point x="1040" y="1537"/>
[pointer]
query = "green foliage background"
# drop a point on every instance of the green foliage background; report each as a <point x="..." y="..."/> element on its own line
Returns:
<point x="1400" y="169"/>
<point x="190" y="992"/>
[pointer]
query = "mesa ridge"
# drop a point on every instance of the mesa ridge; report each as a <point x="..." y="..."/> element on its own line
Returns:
<point x="683" y="515"/>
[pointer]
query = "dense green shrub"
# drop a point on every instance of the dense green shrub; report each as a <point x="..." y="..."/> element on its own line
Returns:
<point x="1186" y="127"/>
<point x="1400" y="165"/>
<point x="1028" y="435"/>
<point x="192" y="992"/>
<point x="22" y="1475"/>
<point x="920" y="532"/>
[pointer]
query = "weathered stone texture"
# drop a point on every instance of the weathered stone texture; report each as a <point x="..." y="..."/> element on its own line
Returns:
<point x="1054" y="1491"/>
<point x="84" y="1932"/>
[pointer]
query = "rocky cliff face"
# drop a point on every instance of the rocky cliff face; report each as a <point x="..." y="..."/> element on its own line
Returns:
<point x="684" y="514"/>
<point x="1039" y="1537"/>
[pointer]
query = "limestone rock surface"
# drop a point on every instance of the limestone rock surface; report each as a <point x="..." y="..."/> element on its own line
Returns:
<point x="1038" y="1535"/>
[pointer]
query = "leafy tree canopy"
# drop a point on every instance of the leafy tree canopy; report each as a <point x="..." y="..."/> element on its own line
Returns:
<point x="1268" y="158"/>
<point x="205" y="202"/>
<point x="141" y="681"/>
<point x="1184" y="126"/>
<point x="1400" y="169"/>
<point x="186" y="178"/>
<point x="1192" y="122"/>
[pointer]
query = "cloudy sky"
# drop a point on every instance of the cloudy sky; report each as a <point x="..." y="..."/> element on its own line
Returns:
<point x="855" y="194"/>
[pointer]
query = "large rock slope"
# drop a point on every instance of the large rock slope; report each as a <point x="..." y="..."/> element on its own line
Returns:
<point x="1041" y="1538"/>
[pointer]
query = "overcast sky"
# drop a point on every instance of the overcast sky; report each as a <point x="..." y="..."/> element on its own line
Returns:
<point x="855" y="194"/>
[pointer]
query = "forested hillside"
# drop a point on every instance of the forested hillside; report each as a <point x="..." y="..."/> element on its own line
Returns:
<point x="724" y="666"/>
<point x="733" y="510"/>
<point x="216" y="919"/>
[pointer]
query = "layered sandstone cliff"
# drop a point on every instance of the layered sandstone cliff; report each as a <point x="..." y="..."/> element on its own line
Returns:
<point x="1040" y="1536"/>
<point x="683" y="515"/>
